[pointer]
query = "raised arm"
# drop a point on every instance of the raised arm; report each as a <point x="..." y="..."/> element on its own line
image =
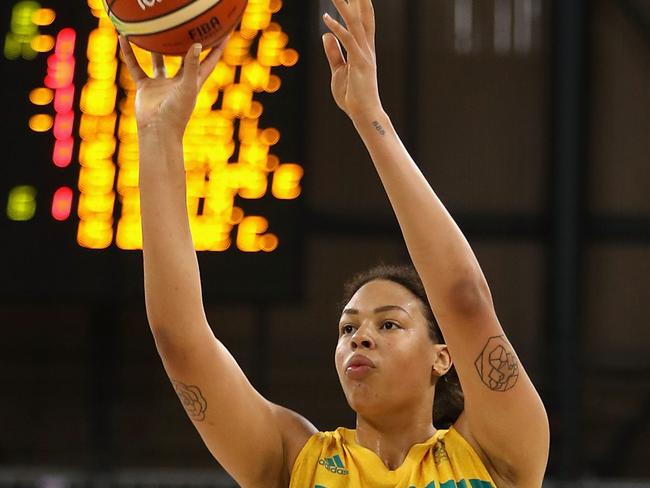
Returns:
<point x="243" y="430"/>
<point x="503" y="412"/>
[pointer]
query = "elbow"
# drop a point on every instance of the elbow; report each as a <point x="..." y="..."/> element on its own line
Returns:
<point x="179" y="334"/>
<point x="171" y="345"/>
<point x="470" y="297"/>
<point x="158" y="325"/>
<point x="163" y="337"/>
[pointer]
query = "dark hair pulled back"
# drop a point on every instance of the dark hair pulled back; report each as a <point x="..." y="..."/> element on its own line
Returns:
<point x="449" y="401"/>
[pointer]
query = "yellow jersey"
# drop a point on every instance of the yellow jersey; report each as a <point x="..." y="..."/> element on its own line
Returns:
<point x="335" y="460"/>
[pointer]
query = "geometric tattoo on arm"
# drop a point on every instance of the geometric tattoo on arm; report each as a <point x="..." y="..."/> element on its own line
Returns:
<point x="192" y="400"/>
<point x="497" y="364"/>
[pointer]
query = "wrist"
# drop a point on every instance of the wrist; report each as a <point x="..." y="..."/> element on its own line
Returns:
<point x="365" y="116"/>
<point x="160" y="133"/>
<point x="372" y="121"/>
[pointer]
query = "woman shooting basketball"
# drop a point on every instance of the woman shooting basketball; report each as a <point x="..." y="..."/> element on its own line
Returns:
<point x="390" y="357"/>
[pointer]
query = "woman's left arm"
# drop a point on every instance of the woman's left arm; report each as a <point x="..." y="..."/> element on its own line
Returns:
<point x="502" y="408"/>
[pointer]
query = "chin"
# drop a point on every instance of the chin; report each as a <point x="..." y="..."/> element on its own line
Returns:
<point x="361" y="398"/>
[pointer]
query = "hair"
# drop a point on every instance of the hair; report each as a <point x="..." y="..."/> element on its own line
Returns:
<point x="449" y="401"/>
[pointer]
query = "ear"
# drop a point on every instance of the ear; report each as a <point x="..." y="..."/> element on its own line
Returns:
<point x="442" y="362"/>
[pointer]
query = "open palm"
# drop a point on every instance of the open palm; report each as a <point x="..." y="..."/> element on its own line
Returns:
<point x="354" y="80"/>
<point x="169" y="101"/>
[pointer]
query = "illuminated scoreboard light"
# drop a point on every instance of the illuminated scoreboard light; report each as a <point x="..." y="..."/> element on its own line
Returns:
<point x="228" y="151"/>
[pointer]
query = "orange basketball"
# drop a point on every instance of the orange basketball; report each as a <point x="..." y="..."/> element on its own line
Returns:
<point x="172" y="26"/>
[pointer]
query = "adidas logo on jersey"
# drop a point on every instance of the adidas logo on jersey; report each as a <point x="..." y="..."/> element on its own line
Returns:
<point x="333" y="464"/>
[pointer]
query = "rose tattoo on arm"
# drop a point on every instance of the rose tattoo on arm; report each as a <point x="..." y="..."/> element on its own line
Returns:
<point x="192" y="399"/>
<point x="497" y="364"/>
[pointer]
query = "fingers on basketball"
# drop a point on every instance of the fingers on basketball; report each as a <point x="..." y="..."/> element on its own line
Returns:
<point x="136" y="71"/>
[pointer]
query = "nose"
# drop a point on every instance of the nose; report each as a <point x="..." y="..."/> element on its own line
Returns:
<point x="361" y="338"/>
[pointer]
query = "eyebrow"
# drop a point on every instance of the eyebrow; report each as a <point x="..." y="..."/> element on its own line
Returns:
<point x="383" y="308"/>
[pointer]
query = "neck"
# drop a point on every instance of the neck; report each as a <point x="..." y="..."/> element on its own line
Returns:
<point x="392" y="439"/>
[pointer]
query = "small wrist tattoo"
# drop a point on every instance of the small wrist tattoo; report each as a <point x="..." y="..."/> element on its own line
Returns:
<point x="192" y="399"/>
<point x="379" y="128"/>
<point x="497" y="364"/>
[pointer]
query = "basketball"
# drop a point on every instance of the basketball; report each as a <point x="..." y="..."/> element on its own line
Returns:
<point x="172" y="26"/>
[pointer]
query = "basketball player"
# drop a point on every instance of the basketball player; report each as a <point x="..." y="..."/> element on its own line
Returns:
<point x="391" y="359"/>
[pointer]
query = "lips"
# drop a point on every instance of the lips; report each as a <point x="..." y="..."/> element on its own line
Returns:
<point x="357" y="360"/>
<point x="358" y="367"/>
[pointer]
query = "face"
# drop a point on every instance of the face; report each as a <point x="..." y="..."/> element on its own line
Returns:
<point x="384" y="322"/>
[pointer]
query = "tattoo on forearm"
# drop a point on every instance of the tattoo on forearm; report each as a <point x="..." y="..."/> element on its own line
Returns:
<point x="379" y="128"/>
<point x="497" y="364"/>
<point x="192" y="399"/>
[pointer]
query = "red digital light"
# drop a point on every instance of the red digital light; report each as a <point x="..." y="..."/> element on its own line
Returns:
<point x="60" y="71"/>
<point x="62" y="203"/>
<point x="64" y="98"/>
<point x="63" y="124"/>
<point x="65" y="41"/>
<point x="60" y="76"/>
<point x="60" y="65"/>
<point x="62" y="155"/>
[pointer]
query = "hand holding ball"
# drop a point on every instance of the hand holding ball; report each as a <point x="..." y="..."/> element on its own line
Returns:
<point x="172" y="26"/>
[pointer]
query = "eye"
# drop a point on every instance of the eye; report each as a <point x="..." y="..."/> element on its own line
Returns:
<point x="347" y="329"/>
<point x="390" y="325"/>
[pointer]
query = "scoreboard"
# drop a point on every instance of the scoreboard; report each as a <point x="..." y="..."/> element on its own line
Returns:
<point x="70" y="208"/>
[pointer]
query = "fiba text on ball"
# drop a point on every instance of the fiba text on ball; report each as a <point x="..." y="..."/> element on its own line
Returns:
<point x="205" y="30"/>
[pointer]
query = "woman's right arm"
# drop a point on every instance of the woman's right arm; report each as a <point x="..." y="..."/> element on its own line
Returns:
<point x="243" y="430"/>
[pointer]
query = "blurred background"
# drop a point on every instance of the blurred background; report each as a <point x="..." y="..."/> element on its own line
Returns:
<point x="530" y="118"/>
